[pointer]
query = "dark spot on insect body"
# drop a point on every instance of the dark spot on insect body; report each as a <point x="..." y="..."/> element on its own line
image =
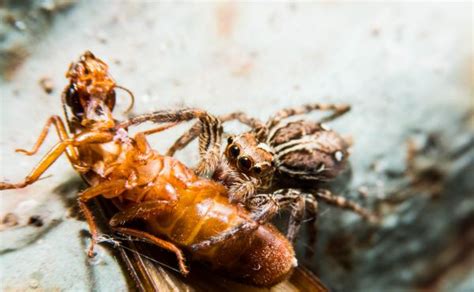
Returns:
<point x="36" y="221"/>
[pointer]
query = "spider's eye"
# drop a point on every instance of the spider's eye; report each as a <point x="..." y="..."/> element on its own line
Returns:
<point x="257" y="169"/>
<point x="234" y="151"/>
<point x="245" y="163"/>
<point x="230" y="140"/>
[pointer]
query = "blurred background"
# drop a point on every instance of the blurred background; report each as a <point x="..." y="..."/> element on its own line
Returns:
<point x="406" y="69"/>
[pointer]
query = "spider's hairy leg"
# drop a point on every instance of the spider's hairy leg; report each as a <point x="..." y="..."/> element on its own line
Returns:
<point x="242" y="189"/>
<point x="295" y="200"/>
<point x="185" y="139"/>
<point x="337" y="109"/>
<point x="240" y="230"/>
<point x="296" y="218"/>
<point x="312" y="230"/>
<point x="164" y="116"/>
<point x="210" y="139"/>
<point x="344" y="203"/>
<point x="210" y="135"/>
<point x="265" y="206"/>
<point x="262" y="208"/>
<point x="158" y="242"/>
<point x="194" y="131"/>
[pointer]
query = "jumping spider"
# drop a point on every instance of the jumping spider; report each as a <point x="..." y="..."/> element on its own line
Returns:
<point x="280" y="165"/>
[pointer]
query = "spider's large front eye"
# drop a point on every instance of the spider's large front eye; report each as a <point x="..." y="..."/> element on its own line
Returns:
<point x="245" y="163"/>
<point x="234" y="151"/>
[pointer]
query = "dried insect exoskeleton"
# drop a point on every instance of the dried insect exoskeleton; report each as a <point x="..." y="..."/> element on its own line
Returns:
<point x="179" y="210"/>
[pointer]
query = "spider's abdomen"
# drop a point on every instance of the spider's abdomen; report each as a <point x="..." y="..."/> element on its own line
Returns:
<point x="308" y="151"/>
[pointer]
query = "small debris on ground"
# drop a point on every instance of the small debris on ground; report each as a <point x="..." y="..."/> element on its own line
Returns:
<point x="36" y="221"/>
<point x="10" y="220"/>
<point x="47" y="84"/>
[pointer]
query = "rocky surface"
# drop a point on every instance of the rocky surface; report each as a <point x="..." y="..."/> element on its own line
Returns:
<point x="405" y="68"/>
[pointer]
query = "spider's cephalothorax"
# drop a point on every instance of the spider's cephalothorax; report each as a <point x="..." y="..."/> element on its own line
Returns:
<point x="248" y="167"/>
<point x="303" y="151"/>
<point x="283" y="163"/>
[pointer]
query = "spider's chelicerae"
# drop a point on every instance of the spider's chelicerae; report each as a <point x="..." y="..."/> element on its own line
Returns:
<point x="280" y="165"/>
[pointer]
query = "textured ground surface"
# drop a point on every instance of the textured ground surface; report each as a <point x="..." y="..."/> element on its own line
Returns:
<point x="405" y="68"/>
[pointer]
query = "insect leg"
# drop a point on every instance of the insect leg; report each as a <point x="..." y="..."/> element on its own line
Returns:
<point x="62" y="134"/>
<point x="343" y="203"/>
<point x="337" y="109"/>
<point x="142" y="211"/>
<point x="54" y="154"/>
<point x="159" y="242"/>
<point x="108" y="189"/>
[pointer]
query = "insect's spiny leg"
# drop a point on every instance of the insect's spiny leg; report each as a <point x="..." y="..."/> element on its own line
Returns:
<point x="159" y="242"/>
<point x="92" y="226"/>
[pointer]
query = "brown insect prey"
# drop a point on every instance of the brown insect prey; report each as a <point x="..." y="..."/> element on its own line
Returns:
<point x="179" y="209"/>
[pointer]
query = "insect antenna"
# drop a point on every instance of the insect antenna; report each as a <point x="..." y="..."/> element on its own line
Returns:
<point x="132" y="97"/>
